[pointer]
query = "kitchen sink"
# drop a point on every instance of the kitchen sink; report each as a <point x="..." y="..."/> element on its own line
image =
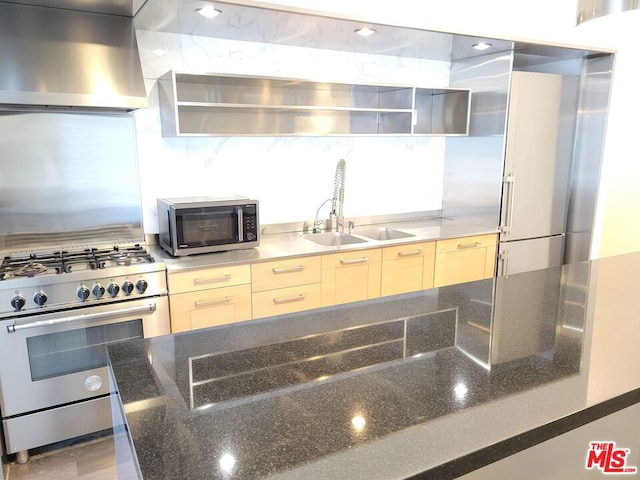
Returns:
<point x="331" y="239"/>
<point x="383" y="233"/>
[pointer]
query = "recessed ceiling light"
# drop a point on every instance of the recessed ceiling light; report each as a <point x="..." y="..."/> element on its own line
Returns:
<point x="365" y="31"/>
<point x="209" y="11"/>
<point x="482" y="45"/>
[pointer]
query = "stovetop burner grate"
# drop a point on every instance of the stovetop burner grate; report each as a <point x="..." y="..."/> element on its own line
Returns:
<point x="65" y="261"/>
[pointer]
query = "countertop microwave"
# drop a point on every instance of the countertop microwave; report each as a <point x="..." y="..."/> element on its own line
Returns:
<point x="190" y="225"/>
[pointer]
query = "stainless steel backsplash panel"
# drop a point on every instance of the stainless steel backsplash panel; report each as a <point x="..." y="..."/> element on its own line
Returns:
<point x="68" y="180"/>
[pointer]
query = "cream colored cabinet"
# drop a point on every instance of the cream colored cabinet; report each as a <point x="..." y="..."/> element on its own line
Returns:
<point x="460" y="260"/>
<point x="407" y="268"/>
<point x="208" y="297"/>
<point x="351" y="276"/>
<point x="285" y="286"/>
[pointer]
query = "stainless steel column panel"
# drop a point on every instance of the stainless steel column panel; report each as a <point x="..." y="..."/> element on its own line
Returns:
<point x="525" y="318"/>
<point x="587" y="156"/>
<point x="474" y="164"/>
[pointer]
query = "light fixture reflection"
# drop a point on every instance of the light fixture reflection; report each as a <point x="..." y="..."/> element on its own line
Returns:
<point x="227" y="462"/>
<point x="365" y="31"/>
<point x="358" y="422"/>
<point x="460" y="391"/>
<point x="209" y="11"/>
<point x="482" y="45"/>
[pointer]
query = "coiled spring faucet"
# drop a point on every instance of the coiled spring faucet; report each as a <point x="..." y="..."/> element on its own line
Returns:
<point x="337" y="202"/>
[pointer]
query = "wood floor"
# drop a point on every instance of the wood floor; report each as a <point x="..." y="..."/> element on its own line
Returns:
<point x="92" y="460"/>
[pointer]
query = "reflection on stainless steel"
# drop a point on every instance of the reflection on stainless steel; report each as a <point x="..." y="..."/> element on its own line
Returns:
<point x="64" y="58"/>
<point x="383" y="233"/>
<point x="585" y="174"/>
<point x="68" y="180"/>
<point x="334" y="239"/>
<point x="590" y="9"/>
<point x="476" y="196"/>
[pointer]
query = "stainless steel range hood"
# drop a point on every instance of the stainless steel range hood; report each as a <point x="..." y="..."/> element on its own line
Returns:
<point x="54" y="58"/>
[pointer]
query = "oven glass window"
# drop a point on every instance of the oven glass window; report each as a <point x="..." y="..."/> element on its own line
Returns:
<point x="202" y="227"/>
<point x="62" y="353"/>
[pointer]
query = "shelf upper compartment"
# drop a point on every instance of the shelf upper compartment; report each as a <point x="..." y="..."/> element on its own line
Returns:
<point x="223" y="105"/>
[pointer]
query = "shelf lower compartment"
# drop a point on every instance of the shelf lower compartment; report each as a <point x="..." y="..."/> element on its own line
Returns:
<point x="269" y="121"/>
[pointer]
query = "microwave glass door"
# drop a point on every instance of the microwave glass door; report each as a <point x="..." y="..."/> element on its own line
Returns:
<point x="200" y="227"/>
<point x="62" y="353"/>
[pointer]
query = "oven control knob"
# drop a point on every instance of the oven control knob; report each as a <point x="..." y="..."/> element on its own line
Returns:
<point x="18" y="302"/>
<point x="40" y="298"/>
<point x="141" y="286"/>
<point x="127" y="287"/>
<point x="83" y="293"/>
<point x="97" y="290"/>
<point x="113" y="289"/>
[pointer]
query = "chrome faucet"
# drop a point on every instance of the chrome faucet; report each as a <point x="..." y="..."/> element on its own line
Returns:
<point x="337" y="202"/>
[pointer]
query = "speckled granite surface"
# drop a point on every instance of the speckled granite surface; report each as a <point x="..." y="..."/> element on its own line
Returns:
<point x="390" y="388"/>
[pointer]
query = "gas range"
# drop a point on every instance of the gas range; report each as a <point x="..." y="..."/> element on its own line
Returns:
<point x="43" y="282"/>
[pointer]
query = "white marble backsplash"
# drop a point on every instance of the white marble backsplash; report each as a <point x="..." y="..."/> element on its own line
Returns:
<point x="290" y="176"/>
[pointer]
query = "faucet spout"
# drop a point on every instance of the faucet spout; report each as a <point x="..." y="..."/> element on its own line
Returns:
<point x="337" y="202"/>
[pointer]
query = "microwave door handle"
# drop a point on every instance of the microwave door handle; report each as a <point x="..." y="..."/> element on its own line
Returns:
<point x="240" y="226"/>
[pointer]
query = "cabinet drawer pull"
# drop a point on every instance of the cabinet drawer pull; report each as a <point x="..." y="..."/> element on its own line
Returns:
<point x="203" y="281"/>
<point x="462" y="246"/>
<point x="277" y="271"/>
<point x="212" y="302"/>
<point x="410" y="254"/>
<point x="295" y="298"/>
<point x="354" y="261"/>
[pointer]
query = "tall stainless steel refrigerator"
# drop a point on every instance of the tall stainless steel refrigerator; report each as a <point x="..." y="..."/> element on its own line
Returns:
<point x="539" y="145"/>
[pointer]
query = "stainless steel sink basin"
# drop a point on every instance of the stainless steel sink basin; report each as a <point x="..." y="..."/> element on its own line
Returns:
<point x="333" y="239"/>
<point x="384" y="233"/>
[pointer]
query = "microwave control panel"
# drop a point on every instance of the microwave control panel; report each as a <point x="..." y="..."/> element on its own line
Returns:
<point x="250" y="222"/>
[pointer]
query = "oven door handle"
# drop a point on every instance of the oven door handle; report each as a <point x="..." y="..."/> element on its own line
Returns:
<point x="77" y="318"/>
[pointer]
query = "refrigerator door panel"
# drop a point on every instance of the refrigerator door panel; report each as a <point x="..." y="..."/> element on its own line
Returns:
<point x="529" y="255"/>
<point x="538" y="155"/>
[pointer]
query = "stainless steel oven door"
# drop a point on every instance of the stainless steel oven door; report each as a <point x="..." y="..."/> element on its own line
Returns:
<point x="57" y="358"/>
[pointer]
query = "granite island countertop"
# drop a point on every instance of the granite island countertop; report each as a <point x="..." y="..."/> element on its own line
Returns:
<point x="391" y="388"/>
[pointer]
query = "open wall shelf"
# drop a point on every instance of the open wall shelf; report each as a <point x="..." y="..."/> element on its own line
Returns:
<point x="217" y="105"/>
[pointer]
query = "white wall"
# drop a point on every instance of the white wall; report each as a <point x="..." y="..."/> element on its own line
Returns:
<point x="617" y="227"/>
<point x="290" y="176"/>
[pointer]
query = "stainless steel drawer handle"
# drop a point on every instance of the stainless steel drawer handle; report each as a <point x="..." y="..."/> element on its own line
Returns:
<point x="295" y="298"/>
<point x="277" y="271"/>
<point x="462" y="246"/>
<point x="151" y="307"/>
<point x="204" y="281"/>
<point x="410" y="254"/>
<point x="354" y="261"/>
<point x="212" y="302"/>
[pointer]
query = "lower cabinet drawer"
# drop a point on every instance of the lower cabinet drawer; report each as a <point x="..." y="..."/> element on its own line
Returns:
<point x="207" y="308"/>
<point x="208" y="278"/>
<point x="286" y="300"/>
<point x="285" y="272"/>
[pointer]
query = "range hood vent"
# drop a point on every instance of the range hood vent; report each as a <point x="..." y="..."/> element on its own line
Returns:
<point x="66" y="59"/>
